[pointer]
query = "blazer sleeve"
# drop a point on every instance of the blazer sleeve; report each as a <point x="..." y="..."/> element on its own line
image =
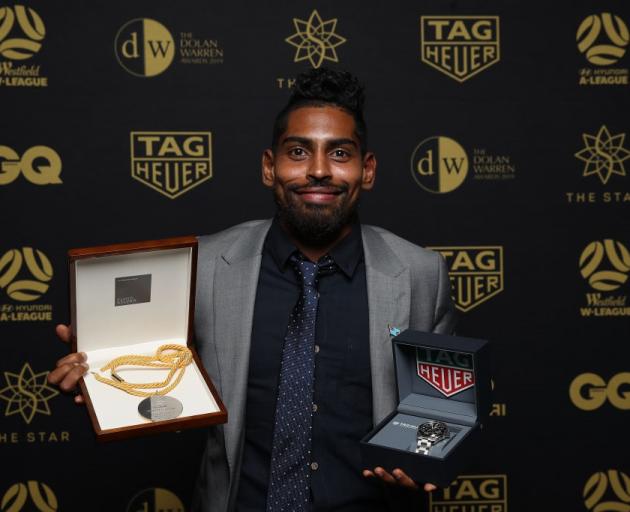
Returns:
<point x="445" y="316"/>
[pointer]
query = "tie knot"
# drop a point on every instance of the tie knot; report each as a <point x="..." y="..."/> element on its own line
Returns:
<point x="308" y="271"/>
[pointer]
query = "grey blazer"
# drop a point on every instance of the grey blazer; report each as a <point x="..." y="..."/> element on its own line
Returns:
<point x="408" y="287"/>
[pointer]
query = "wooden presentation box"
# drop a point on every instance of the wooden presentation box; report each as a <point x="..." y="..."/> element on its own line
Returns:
<point x="130" y="299"/>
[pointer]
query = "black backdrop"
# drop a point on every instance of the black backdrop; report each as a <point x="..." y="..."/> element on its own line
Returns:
<point x="527" y="111"/>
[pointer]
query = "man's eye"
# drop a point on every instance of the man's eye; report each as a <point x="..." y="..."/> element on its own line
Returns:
<point x="341" y="153"/>
<point x="297" y="152"/>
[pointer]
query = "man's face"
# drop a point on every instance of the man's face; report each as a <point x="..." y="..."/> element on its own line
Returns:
<point x="317" y="172"/>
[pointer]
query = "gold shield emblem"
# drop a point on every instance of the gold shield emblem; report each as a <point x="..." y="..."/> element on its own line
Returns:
<point x="459" y="46"/>
<point x="476" y="273"/>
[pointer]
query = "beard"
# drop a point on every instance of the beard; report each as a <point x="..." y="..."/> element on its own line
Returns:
<point x="315" y="225"/>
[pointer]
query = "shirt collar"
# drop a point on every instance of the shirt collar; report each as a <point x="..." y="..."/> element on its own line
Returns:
<point x="347" y="254"/>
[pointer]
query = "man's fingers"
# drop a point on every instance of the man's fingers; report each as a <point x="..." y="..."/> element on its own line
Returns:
<point x="63" y="332"/>
<point x="403" y="479"/>
<point x="73" y="359"/>
<point x="69" y="382"/>
<point x="58" y="374"/>
<point x="398" y="476"/>
<point x="384" y="475"/>
<point x="69" y="368"/>
<point x="67" y="375"/>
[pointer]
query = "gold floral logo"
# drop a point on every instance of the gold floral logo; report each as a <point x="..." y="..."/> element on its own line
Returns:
<point x="315" y="40"/>
<point x="603" y="154"/>
<point x="27" y="393"/>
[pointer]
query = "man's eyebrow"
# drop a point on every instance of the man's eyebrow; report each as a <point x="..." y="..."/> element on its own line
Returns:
<point x="341" y="142"/>
<point x="304" y="141"/>
<point x="300" y="140"/>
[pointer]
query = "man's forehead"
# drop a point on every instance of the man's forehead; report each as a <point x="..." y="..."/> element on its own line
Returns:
<point x="320" y="122"/>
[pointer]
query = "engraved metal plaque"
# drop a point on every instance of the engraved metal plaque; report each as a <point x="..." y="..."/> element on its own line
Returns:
<point x="158" y="408"/>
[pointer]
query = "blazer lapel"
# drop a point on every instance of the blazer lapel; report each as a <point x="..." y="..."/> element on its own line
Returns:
<point x="236" y="279"/>
<point x="389" y="291"/>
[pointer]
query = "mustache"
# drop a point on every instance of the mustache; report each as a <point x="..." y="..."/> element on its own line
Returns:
<point x="323" y="184"/>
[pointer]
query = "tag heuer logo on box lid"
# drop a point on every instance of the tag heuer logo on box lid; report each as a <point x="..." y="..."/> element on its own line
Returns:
<point x="448" y="372"/>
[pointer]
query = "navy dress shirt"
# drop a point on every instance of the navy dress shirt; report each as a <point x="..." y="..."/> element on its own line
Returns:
<point x="343" y="385"/>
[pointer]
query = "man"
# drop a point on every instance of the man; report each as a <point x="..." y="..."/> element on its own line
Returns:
<point x="292" y="319"/>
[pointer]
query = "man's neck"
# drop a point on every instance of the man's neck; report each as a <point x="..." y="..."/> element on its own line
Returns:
<point x="315" y="252"/>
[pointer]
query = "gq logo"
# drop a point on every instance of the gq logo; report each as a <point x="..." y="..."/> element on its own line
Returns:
<point x="592" y="260"/>
<point x="155" y="500"/>
<point x="439" y="165"/>
<point x="171" y="162"/>
<point x="144" y="47"/>
<point x="589" y="391"/>
<point x="32" y="31"/>
<point x="459" y="46"/>
<point x="602" y="49"/>
<point x="473" y="493"/>
<point x="40" y="165"/>
<point x="39" y="267"/>
<point x="607" y="491"/>
<point x="38" y="495"/>
<point x="476" y="273"/>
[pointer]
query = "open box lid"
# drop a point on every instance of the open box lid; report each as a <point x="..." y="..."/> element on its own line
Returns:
<point x="442" y="377"/>
<point x="133" y="293"/>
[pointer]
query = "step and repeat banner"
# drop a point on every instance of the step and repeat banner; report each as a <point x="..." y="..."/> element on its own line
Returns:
<point x="501" y="131"/>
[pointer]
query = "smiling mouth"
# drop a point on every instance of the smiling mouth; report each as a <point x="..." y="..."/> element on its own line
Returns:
<point x="319" y="194"/>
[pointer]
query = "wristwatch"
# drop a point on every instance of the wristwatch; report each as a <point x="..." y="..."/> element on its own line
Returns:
<point x="429" y="434"/>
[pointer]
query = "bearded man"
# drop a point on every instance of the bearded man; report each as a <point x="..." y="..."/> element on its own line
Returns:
<point x="292" y="318"/>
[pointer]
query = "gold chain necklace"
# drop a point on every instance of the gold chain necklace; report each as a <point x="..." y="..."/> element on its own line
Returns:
<point x="177" y="358"/>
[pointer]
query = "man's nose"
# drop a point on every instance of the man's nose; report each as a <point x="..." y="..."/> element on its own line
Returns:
<point x="320" y="166"/>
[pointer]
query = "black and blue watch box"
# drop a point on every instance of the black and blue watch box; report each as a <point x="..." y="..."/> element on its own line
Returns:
<point x="439" y="378"/>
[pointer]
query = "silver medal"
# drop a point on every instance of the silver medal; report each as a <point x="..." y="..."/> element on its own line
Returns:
<point x="159" y="407"/>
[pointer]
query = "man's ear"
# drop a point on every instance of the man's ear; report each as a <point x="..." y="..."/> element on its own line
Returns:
<point x="369" y="171"/>
<point x="268" y="168"/>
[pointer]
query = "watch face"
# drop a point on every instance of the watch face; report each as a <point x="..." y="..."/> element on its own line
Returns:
<point x="434" y="429"/>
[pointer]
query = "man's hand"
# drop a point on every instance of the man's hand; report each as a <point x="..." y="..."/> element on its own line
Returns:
<point x="69" y="368"/>
<point x="396" y="477"/>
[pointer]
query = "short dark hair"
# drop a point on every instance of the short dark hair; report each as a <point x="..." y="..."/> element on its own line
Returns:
<point x="321" y="87"/>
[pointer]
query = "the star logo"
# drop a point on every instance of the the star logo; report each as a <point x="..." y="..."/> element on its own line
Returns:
<point x="315" y="40"/>
<point x="27" y="393"/>
<point x="604" y="154"/>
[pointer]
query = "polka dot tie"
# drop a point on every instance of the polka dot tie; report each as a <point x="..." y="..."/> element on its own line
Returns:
<point x="289" y="488"/>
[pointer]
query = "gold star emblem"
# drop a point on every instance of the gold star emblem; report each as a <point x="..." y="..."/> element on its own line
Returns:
<point x="27" y="393"/>
<point x="604" y="154"/>
<point x="315" y="40"/>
